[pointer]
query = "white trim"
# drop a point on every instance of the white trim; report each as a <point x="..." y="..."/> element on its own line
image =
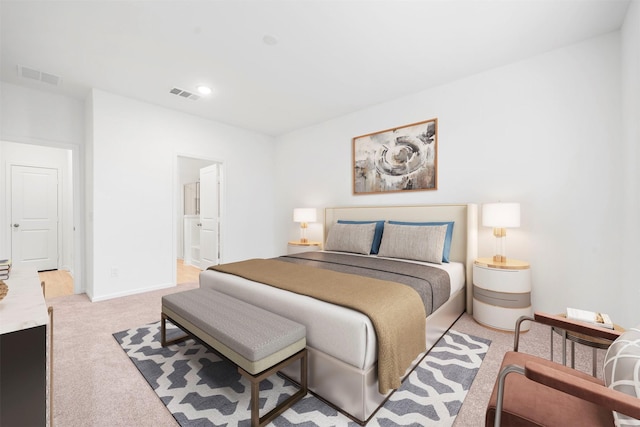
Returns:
<point x="77" y="165"/>
<point x="105" y="297"/>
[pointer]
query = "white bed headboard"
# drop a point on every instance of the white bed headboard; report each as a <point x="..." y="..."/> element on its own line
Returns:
<point x="464" y="243"/>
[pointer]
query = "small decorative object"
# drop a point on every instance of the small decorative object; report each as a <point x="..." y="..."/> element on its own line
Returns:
<point x="399" y="159"/>
<point x="501" y="216"/>
<point x="4" y="289"/>
<point x="5" y="268"/>
<point x="598" y="319"/>
<point x="304" y="216"/>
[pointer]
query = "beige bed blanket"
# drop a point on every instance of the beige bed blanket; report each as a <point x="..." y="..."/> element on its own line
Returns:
<point x="396" y="310"/>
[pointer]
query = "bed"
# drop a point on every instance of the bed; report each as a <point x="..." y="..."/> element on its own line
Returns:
<point x="341" y="341"/>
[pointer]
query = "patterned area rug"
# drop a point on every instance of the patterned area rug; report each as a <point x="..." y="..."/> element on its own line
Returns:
<point x="201" y="389"/>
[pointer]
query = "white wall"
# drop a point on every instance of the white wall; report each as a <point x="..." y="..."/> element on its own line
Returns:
<point x="134" y="149"/>
<point x="35" y="118"/>
<point x="558" y="133"/>
<point x="545" y="132"/>
<point x="630" y="253"/>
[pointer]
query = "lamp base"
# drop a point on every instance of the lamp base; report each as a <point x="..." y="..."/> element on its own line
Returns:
<point x="303" y="232"/>
<point x="501" y="245"/>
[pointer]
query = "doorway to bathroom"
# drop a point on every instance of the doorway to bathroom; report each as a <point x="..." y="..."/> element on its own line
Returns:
<point x="198" y="212"/>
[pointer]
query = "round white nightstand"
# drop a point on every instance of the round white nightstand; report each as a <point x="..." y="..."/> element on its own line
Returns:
<point x="501" y="293"/>
<point x="295" y="246"/>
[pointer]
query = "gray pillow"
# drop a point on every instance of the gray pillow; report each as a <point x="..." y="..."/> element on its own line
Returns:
<point x="356" y="238"/>
<point x="622" y="369"/>
<point x="424" y="243"/>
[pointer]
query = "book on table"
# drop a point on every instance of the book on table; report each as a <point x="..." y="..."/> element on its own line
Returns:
<point x="595" y="318"/>
<point x="5" y="268"/>
<point x="5" y="264"/>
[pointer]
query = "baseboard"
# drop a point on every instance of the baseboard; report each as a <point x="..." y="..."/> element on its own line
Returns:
<point x="97" y="298"/>
<point x="66" y="268"/>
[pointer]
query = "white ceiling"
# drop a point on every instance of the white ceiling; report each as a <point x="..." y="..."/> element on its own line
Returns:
<point x="332" y="57"/>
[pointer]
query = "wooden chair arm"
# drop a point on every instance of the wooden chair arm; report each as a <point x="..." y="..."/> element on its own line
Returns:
<point x="583" y="389"/>
<point x="576" y="326"/>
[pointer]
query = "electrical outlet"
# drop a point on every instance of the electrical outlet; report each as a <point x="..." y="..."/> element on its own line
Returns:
<point x="114" y="272"/>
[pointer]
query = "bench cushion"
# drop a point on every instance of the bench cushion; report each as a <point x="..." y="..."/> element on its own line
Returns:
<point x="253" y="338"/>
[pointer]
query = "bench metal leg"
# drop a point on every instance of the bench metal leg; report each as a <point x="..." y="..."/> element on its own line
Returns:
<point x="163" y="332"/>
<point x="256" y="420"/>
<point x="573" y="355"/>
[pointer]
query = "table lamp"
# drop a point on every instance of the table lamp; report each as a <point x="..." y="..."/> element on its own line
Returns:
<point x="304" y="216"/>
<point x="501" y="216"/>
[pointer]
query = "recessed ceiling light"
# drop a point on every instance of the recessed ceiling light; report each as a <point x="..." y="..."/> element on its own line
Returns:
<point x="204" y="90"/>
<point x="270" y="39"/>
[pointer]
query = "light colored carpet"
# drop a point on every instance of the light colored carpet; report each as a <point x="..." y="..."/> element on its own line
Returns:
<point x="96" y="385"/>
<point x="94" y="382"/>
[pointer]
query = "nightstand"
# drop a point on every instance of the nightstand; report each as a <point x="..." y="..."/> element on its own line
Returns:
<point x="501" y="293"/>
<point x="295" y="246"/>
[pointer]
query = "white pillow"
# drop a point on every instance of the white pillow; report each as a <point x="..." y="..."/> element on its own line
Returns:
<point x="622" y="369"/>
<point x="356" y="238"/>
<point x="424" y="243"/>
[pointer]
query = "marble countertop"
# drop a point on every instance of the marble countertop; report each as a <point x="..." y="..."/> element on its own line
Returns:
<point x="24" y="306"/>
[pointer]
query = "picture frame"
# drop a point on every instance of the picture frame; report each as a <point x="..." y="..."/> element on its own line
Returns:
<point x="398" y="159"/>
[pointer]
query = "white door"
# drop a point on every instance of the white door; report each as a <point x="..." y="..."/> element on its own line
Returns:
<point x="34" y="217"/>
<point x="209" y="214"/>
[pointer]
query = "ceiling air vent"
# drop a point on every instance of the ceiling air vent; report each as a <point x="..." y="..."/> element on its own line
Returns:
<point x="184" y="94"/>
<point x="33" y="74"/>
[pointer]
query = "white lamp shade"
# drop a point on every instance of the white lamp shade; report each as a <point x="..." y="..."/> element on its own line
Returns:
<point x="501" y="215"/>
<point x="304" y="215"/>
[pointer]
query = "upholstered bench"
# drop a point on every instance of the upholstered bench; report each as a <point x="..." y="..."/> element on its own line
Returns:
<point x="258" y="342"/>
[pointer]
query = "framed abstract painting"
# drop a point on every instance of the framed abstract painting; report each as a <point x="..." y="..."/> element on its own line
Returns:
<point x="399" y="159"/>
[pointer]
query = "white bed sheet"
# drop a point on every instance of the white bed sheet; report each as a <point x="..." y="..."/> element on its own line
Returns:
<point x="345" y="334"/>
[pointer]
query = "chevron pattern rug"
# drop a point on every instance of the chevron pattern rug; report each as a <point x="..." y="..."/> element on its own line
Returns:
<point x="201" y="389"/>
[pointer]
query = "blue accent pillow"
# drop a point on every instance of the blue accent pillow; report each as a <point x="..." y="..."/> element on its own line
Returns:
<point x="377" y="236"/>
<point x="447" y="237"/>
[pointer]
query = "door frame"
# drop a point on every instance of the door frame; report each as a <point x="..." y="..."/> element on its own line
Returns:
<point x="78" y="210"/>
<point x="221" y="208"/>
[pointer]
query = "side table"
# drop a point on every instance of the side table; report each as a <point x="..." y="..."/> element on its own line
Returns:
<point x="296" y="246"/>
<point x="501" y="293"/>
<point x="574" y="337"/>
<point x="23" y="351"/>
